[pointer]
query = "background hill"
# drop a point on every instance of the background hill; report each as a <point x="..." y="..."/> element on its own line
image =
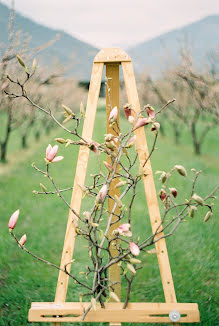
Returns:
<point x="157" y="54"/>
<point x="67" y="49"/>
<point x="153" y="56"/>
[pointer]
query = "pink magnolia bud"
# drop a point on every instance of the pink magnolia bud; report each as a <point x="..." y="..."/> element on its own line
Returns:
<point x="113" y="115"/>
<point x="173" y="192"/>
<point x="94" y="147"/>
<point x="13" y="219"/>
<point x="124" y="229"/>
<point x="134" y="249"/>
<point x="22" y="240"/>
<point x="127" y="110"/>
<point x="150" y="111"/>
<point x="142" y="122"/>
<point x="51" y="154"/>
<point x="162" y="194"/>
<point x="103" y="192"/>
<point x="131" y="141"/>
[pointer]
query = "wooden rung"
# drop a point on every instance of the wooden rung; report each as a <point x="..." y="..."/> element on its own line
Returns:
<point x="113" y="312"/>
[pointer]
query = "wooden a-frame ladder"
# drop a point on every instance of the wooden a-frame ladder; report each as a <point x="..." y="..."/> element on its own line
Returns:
<point x="60" y="311"/>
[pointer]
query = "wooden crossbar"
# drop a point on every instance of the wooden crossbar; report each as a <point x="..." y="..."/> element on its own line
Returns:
<point x="60" y="311"/>
<point x="113" y="312"/>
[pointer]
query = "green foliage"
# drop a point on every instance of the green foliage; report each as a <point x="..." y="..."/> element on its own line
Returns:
<point x="192" y="250"/>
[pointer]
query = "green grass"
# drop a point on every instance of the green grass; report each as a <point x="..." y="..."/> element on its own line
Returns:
<point x="192" y="250"/>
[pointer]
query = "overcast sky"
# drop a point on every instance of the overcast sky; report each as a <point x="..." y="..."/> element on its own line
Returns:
<point x="121" y="23"/>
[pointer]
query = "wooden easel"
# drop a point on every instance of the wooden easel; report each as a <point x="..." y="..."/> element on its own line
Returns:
<point x="60" y="311"/>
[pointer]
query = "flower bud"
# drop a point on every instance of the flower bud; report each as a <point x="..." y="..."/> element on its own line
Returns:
<point x="131" y="142"/>
<point x="198" y="199"/>
<point x="208" y="216"/>
<point x="102" y="193"/>
<point x="155" y="126"/>
<point x="13" y="219"/>
<point x="114" y="296"/>
<point x="118" y="201"/>
<point x="60" y="140"/>
<point x="131" y="268"/>
<point x="68" y="110"/>
<point x="108" y="166"/>
<point x="113" y="115"/>
<point x="34" y="65"/>
<point x="192" y="210"/>
<point x="162" y="194"/>
<point x="134" y="249"/>
<point x="134" y="261"/>
<point x="20" y="61"/>
<point x="127" y="110"/>
<point x="173" y="192"/>
<point x="163" y="177"/>
<point x="22" y="240"/>
<point x="181" y="170"/>
<point x="120" y="184"/>
<point x="142" y="122"/>
<point x="150" y="111"/>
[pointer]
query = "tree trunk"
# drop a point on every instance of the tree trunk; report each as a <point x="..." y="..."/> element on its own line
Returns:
<point x="3" y="152"/>
<point x="196" y="143"/>
<point x="24" y="141"/>
<point x="4" y="143"/>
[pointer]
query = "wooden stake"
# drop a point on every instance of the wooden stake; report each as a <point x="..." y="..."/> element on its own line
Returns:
<point x="80" y="174"/>
<point x="112" y="100"/>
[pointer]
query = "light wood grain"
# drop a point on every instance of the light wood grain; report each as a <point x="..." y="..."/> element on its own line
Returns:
<point x="80" y="174"/>
<point x="112" y="73"/>
<point x="113" y="312"/>
<point x="150" y="191"/>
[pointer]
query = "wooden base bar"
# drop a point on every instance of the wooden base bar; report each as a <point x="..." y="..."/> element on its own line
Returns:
<point x="113" y="312"/>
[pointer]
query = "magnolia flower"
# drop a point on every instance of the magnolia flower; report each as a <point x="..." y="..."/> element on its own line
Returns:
<point x="134" y="249"/>
<point x="124" y="229"/>
<point x="155" y="126"/>
<point x="181" y="170"/>
<point x="150" y="111"/>
<point x="103" y="192"/>
<point x="162" y="194"/>
<point x="131" y="142"/>
<point x="94" y="147"/>
<point x="13" y="219"/>
<point x="142" y="122"/>
<point x="51" y="154"/>
<point x="108" y="166"/>
<point x="22" y="240"/>
<point x="113" y="115"/>
<point x="127" y="110"/>
<point x="173" y="192"/>
<point x="198" y="199"/>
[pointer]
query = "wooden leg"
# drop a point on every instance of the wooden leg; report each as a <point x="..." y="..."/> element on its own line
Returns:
<point x="150" y="191"/>
<point x="80" y="174"/>
<point x="112" y="100"/>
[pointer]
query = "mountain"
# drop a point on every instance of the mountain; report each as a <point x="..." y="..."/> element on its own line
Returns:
<point x="67" y="49"/>
<point x="154" y="56"/>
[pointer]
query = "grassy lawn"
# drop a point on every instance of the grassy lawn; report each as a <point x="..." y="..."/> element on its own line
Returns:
<point x="192" y="249"/>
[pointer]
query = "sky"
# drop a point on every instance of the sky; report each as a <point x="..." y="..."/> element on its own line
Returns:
<point x="122" y="23"/>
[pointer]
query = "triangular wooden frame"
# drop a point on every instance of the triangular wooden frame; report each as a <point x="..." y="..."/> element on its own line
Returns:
<point x="60" y="311"/>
